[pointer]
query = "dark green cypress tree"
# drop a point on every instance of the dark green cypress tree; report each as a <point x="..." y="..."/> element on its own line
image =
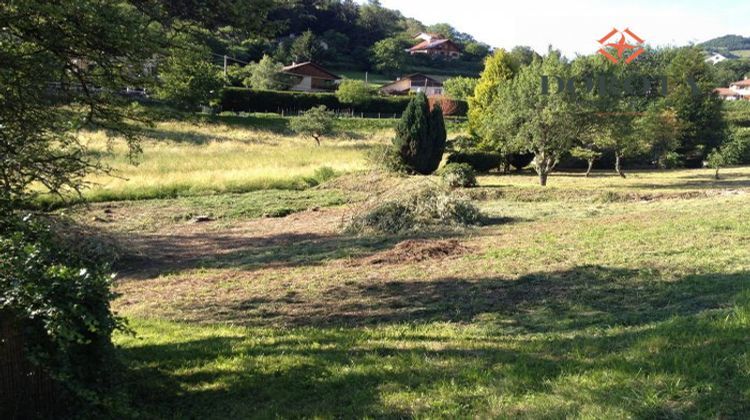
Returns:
<point x="420" y="136"/>
<point x="438" y="136"/>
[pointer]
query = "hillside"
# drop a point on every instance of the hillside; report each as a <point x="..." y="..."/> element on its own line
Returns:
<point x="727" y="43"/>
<point x="346" y="36"/>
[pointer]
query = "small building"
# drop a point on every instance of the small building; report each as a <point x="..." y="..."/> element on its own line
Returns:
<point x="736" y="91"/>
<point x="435" y="45"/>
<point x="415" y="83"/>
<point x="716" y="58"/>
<point x="742" y="87"/>
<point x="727" y="94"/>
<point x="311" y="77"/>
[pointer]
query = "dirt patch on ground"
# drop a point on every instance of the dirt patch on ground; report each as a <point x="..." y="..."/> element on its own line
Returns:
<point x="255" y="243"/>
<point x="415" y="250"/>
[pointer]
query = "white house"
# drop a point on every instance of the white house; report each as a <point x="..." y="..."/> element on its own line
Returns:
<point x="742" y="87"/>
<point x="716" y="58"/>
<point x="415" y="83"/>
<point x="736" y="91"/>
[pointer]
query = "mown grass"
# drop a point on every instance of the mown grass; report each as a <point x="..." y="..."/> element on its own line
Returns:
<point x="156" y="214"/>
<point x="575" y="307"/>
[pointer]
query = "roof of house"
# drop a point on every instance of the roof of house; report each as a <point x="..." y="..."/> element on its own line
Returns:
<point x="309" y="68"/>
<point x="436" y="81"/>
<point x="428" y="45"/>
<point x="726" y="92"/>
<point x="741" y="83"/>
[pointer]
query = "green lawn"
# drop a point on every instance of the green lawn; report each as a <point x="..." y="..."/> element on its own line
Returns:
<point x="375" y="79"/>
<point x="595" y="298"/>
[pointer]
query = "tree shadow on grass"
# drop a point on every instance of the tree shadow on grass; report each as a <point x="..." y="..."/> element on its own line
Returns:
<point x="597" y="337"/>
<point x="543" y="302"/>
<point x="149" y="256"/>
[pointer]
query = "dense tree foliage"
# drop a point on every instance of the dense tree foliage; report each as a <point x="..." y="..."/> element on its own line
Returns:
<point x="523" y="119"/>
<point x="498" y="70"/>
<point x="339" y="33"/>
<point x="354" y="92"/>
<point x="728" y="43"/>
<point x="265" y="75"/>
<point x="460" y="87"/>
<point x="420" y="136"/>
<point x="188" y="80"/>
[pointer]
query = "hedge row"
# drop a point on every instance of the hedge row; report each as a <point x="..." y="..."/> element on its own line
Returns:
<point x="247" y="100"/>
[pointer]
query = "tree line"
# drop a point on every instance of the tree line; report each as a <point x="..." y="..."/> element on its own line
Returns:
<point x="678" y="125"/>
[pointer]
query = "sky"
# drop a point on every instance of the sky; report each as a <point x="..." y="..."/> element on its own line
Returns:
<point x="575" y="26"/>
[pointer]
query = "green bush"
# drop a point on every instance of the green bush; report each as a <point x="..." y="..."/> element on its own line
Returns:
<point x="246" y="100"/>
<point x="481" y="162"/>
<point x="321" y="175"/>
<point x="457" y="175"/>
<point x="61" y="302"/>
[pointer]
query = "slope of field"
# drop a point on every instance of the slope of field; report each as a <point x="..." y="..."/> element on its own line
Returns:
<point x="595" y="298"/>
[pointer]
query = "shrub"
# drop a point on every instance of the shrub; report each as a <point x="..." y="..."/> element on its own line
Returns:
<point x="188" y="80"/>
<point x="481" y="162"/>
<point x="459" y="175"/>
<point x="420" y="136"/>
<point x="246" y="100"/>
<point x="315" y="123"/>
<point x="461" y="143"/>
<point x="450" y="107"/>
<point x="321" y="175"/>
<point x="426" y="209"/>
<point x="61" y="303"/>
<point x="354" y="92"/>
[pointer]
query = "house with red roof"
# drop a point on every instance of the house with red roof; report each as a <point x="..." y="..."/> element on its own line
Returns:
<point x="736" y="91"/>
<point x="436" y="46"/>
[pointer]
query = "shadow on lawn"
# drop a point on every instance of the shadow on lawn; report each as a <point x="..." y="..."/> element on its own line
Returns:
<point x="680" y="359"/>
<point x="158" y="255"/>
<point x="542" y="302"/>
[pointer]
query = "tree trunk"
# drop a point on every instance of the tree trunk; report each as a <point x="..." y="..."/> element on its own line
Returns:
<point x="618" y="167"/>
<point x="317" y="140"/>
<point x="543" y="178"/>
<point x="716" y="176"/>
<point x="591" y="165"/>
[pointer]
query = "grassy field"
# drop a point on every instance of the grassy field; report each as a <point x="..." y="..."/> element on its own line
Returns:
<point x="741" y="53"/>
<point x="182" y="159"/>
<point x="592" y="298"/>
<point x="375" y="79"/>
<point x="230" y="154"/>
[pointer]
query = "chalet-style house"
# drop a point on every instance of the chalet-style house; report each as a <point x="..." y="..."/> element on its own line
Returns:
<point x="415" y="83"/>
<point x="716" y="58"/>
<point x="736" y="91"/>
<point x="436" y="46"/>
<point x="311" y="77"/>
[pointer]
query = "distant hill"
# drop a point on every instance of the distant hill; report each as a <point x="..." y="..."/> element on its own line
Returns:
<point x="727" y="43"/>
